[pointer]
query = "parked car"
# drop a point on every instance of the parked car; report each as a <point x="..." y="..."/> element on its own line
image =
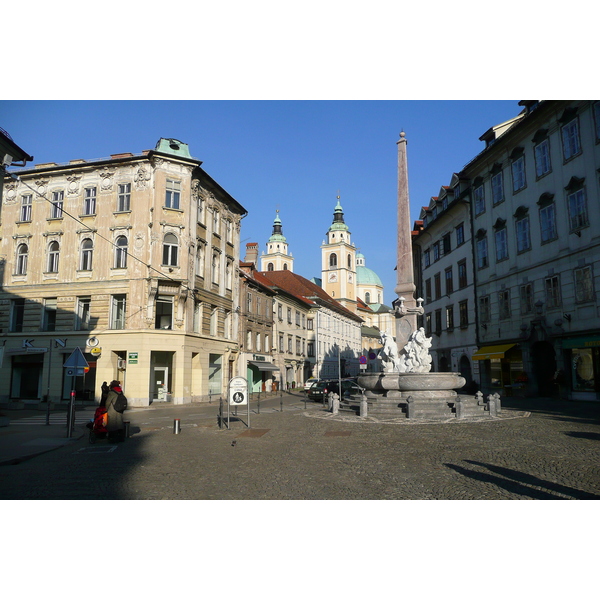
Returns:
<point x="324" y="386"/>
<point x="309" y="383"/>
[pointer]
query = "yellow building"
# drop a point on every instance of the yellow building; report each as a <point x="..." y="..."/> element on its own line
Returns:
<point x="132" y="259"/>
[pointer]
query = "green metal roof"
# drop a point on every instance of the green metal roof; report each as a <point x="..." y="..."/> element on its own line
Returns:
<point x="174" y="147"/>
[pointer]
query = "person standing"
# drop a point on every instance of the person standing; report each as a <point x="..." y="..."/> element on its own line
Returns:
<point x="104" y="395"/>
<point x="115" y="426"/>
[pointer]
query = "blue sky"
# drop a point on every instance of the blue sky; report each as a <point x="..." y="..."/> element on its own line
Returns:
<point x="288" y="155"/>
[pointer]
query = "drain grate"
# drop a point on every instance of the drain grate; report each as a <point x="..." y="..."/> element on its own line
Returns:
<point x="254" y="433"/>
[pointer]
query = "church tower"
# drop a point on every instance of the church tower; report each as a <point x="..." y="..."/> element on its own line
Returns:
<point x="277" y="257"/>
<point x="338" y="262"/>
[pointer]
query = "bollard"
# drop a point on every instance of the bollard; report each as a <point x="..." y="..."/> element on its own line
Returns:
<point x="281" y="403"/>
<point x="176" y="426"/>
<point x="259" y="404"/>
<point x="126" y="425"/>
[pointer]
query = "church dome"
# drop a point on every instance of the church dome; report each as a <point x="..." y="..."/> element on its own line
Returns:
<point x="364" y="275"/>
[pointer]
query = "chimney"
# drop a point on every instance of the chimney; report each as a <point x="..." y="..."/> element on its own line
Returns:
<point x="251" y="253"/>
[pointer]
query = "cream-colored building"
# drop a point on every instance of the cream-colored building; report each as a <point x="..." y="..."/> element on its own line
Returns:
<point x="132" y="259"/>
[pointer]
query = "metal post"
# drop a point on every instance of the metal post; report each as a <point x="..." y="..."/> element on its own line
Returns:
<point x="126" y="425"/>
<point x="48" y="387"/>
<point x="259" y="404"/>
<point x="176" y="426"/>
<point x="71" y="414"/>
<point x="281" y="403"/>
<point x="221" y="413"/>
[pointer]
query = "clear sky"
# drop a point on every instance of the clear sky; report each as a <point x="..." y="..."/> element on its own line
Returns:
<point x="288" y="155"/>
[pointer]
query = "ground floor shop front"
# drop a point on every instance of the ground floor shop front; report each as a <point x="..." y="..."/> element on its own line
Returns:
<point x="152" y="367"/>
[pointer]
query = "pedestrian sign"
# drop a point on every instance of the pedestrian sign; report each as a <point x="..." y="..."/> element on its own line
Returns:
<point x="238" y="391"/>
<point x="76" y="360"/>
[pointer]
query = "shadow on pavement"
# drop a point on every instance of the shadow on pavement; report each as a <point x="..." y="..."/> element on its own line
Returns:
<point x="517" y="482"/>
<point x="586" y="435"/>
<point x="561" y="410"/>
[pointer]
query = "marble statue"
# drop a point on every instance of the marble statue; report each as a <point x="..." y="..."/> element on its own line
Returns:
<point x="414" y="357"/>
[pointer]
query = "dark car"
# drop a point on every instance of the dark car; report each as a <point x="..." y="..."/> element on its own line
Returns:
<point x="349" y="388"/>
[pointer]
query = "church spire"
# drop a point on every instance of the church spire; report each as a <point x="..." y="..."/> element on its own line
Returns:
<point x="277" y="257"/>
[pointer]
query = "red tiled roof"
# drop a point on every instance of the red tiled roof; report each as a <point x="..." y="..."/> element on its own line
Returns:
<point x="305" y="291"/>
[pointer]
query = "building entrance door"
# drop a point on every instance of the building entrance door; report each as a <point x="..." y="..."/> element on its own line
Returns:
<point x="160" y="384"/>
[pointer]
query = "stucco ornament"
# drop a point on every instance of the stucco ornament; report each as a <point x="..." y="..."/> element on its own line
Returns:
<point x="141" y="177"/>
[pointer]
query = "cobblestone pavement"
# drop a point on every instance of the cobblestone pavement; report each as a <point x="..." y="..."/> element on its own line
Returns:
<point x="539" y="449"/>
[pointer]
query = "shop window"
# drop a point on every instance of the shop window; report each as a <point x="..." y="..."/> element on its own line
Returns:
<point x="582" y="369"/>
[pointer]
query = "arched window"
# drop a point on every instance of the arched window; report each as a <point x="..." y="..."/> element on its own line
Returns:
<point x="270" y="267"/>
<point x="333" y="260"/>
<point x="121" y="252"/>
<point x="215" y="267"/>
<point x="170" y="250"/>
<point x="87" y="252"/>
<point x="53" y="252"/>
<point x="22" y="254"/>
<point x="285" y="267"/>
<point x="368" y="298"/>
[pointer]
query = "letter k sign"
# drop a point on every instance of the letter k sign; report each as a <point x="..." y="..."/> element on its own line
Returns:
<point x="27" y="344"/>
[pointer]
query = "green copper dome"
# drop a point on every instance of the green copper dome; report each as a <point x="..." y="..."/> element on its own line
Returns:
<point x="338" y="218"/>
<point x="277" y="232"/>
<point x="364" y="275"/>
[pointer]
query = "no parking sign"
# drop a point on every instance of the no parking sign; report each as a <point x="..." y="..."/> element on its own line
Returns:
<point x="238" y="391"/>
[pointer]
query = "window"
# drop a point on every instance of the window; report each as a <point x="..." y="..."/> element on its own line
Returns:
<point x="333" y="260"/>
<point x="526" y="298"/>
<point x="428" y="290"/>
<point x="26" y="203"/>
<point x="578" y="215"/>
<point x="310" y="348"/>
<point x="542" y="158"/>
<point x="89" y="201"/>
<point x="553" y="299"/>
<point x="163" y="312"/>
<point x="570" y="139"/>
<point x="349" y="262"/>
<point x="584" y="284"/>
<point x="270" y="267"/>
<point x="57" y="205"/>
<point x="462" y="274"/>
<point x="22" y="256"/>
<point x="200" y="210"/>
<point x="117" y="311"/>
<point x="197" y="323"/>
<point x="82" y="321"/>
<point x="248" y="302"/>
<point x="87" y="254"/>
<point x="449" y="318"/>
<point x="289" y="345"/>
<point x="479" y="200"/>
<point x="367" y="297"/>
<point x="17" y="314"/>
<point x="449" y="282"/>
<point x="289" y="315"/>
<point x="228" y="275"/>
<point x="53" y="254"/>
<point x="446" y="243"/>
<point x="548" y="223"/>
<point x="200" y="252"/>
<point x="214" y="322"/>
<point x="428" y="323"/>
<point x="170" y="250"/>
<point x="298" y="318"/>
<point x="258" y="346"/>
<point x="463" y="313"/>
<point x="173" y="194"/>
<point x="436" y="251"/>
<point x="427" y="257"/>
<point x="216" y="267"/>
<point x="504" y="304"/>
<point x="49" y="314"/>
<point x="121" y="252"/>
<point x="497" y="188"/>
<point x="438" y="321"/>
<point x="281" y="342"/>
<point x="298" y="346"/>
<point x="229" y="231"/>
<point x="216" y="221"/>
<point x="309" y="324"/>
<point x="501" y="244"/>
<point x="518" y="173"/>
<point x="437" y="286"/>
<point x="460" y="234"/>
<point x="523" y="238"/>
<point x="482" y="253"/>
<point x="267" y="347"/>
<point x="279" y="311"/>
<point x="124" y="197"/>
<point x="484" y="309"/>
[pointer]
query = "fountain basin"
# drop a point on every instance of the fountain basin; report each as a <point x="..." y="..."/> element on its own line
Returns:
<point x="408" y="382"/>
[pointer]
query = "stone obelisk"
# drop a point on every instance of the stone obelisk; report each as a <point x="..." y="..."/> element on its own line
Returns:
<point x="405" y="306"/>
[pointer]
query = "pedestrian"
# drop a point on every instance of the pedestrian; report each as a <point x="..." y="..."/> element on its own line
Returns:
<point x="105" y="390"/>
<point x="116" y="431"/>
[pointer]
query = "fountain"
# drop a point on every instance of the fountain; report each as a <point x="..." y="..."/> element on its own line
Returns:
<point x="406" y="386"/>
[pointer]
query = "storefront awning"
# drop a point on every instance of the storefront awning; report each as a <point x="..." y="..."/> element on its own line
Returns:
<point x="488" y="352"/>
<point x="263" y="366"/>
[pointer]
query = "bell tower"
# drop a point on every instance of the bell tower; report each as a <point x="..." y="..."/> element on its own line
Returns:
<point x="277" y="257"/>
<point x="338" y="261"/>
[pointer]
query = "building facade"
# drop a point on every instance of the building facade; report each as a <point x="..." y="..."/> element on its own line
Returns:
<point x="130" y="258"/>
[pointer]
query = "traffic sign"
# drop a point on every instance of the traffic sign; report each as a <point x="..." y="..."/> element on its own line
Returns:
<point x="362" y="360"/>
<point x="238" y="391"/>
<point x="76" y="360"/>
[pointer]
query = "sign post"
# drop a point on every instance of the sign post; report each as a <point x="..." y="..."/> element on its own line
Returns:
<point x="75" y="366"/>
<point x="238" y="396"/>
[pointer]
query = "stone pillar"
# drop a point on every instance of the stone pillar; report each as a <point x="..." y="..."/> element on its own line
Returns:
<point x="405" y="286"/>
<point x="335" y="404"/>
<point x="364" y="406"/>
